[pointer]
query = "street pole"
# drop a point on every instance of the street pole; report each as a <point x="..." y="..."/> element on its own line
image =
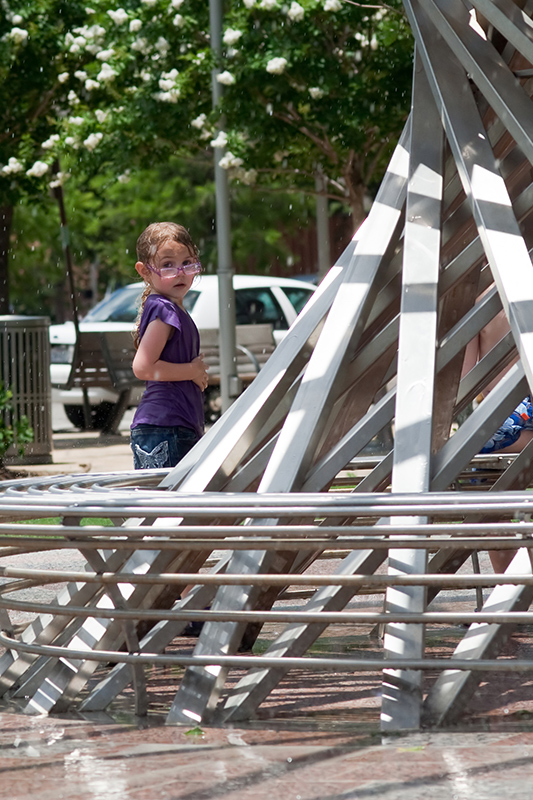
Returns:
<point x="322" y="226"/>
<point x="229" y="381"/>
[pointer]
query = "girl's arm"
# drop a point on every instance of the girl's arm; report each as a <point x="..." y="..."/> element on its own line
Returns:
<point x="147" y="364"/>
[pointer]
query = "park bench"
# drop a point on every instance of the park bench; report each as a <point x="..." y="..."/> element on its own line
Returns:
<point x="254" y="344"/>
<point x="104" y="360"/>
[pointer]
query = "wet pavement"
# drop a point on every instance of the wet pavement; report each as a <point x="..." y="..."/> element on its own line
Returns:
<point x="316" y="736"/>
<point x="66" y="758"/>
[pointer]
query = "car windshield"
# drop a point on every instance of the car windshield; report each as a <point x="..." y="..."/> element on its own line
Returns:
<point x="122" y="306"/>
<point x="297" y="296"/>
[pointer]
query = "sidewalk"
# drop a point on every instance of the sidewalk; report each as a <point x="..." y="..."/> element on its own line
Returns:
<point x="74" y="758"/>
<point x="81" y="451"/>
<point x="310" y="743"/>
<point x="77" y="451"/>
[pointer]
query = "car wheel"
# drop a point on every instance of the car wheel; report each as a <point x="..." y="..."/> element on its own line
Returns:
<point x="99" y="416"/>
<point x="212" y="404"/>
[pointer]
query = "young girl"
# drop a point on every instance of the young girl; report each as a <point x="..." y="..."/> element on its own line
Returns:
<point x="170" y="417"/>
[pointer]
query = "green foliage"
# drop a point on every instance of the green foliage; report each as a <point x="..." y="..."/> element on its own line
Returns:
<point x="105" y="217"/>
<point x="12" y="431"/>
<point x="116" y="93"/>
<point x="317" y="84"/>
<point x="313" y="84"/>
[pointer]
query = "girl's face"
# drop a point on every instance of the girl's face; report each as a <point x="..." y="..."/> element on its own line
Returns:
<point x="170" y="254"/>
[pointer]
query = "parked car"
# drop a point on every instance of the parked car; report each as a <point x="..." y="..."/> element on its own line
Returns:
<point x="258" y="299"/>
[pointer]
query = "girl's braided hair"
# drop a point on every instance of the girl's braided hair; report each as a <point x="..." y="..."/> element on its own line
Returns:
<point x="148" y="244"/>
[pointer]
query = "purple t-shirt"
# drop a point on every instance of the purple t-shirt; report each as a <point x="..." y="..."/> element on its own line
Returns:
<point x="171" y="403"/>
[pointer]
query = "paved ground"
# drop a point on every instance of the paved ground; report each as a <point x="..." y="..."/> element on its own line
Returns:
<point x="317" y="737"/>
<point x="75" y="451"/>
<point x="56" y="757"/>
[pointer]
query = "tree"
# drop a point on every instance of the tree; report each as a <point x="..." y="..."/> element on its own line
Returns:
<point x="315" y="86"/>
<point x="106" y="216"/>
<point x="320" y="87"/>
<point x="31" y="47"/>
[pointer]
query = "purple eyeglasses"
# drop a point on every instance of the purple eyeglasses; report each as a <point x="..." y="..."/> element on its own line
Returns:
<point x="173" y="272"/>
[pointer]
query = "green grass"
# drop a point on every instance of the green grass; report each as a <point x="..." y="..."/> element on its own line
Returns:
<point x="103" y="521"/>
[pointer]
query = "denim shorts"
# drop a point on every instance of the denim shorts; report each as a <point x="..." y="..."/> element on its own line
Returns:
<point x="155" y="446"/>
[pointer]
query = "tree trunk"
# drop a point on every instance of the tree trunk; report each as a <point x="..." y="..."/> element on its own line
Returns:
<point x="357" y="204"/>
<point x="6" y="219"/>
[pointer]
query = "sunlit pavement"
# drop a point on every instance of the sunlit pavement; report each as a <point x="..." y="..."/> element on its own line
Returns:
<point x="62" y="758"/>
<point x="316" y="737"/>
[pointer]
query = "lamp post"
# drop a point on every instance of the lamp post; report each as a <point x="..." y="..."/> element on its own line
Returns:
<point x="229" y="381"/>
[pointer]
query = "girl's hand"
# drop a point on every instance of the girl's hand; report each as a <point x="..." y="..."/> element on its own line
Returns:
<point x="199" y="372"/>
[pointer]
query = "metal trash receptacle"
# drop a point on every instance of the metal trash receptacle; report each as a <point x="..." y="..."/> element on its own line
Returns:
<point x="25" y="369"/>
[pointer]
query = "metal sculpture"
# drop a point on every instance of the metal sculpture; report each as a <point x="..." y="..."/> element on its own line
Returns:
<point x="381" y="341"/>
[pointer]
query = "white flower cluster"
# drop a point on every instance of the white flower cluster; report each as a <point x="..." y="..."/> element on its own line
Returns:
<point x="175" y="4"/>
<point x="225" y="78"/>
<point x="178" y="21"/>
<point x="91" y="84"/>
<point x="101" y="116"/>
<point x="268" y="5"/>
<point x="18" y="35"/>
<point x="231" y="36"/>
<point x="141" y="45"/>
<point x="296" y="12"/>
<point x="199" y="121"/>
<point x="50" y="142"/>
<point x="168" y="83"/>
<point x="12" y="167"/>
<point x="107" y="73"/>
<point x="59" y="180"/>
<point x="105" y="55"/>
<point x="125" y="177"/>
<point x="276" y="66"/>
<point x="38" y="170"/>
<point x="149" y="3"/>
<point x="63" y="77"/>
<point x="162" y="46"/>
<point x="119" y="16"/>
<point x="229" y="161"/>
<point x="316" y="93"/>
<point x="247" y="176"/>
<point x="233" y="164"/>
<point x="93" y="140"/>
<point x="221" y="140"/>
<point x="332" y="5"/>
<point x="86" y="38"/>
<point x="249" y="3"/>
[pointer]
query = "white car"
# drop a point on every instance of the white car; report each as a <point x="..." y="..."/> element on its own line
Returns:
<point x="258" y="299"/>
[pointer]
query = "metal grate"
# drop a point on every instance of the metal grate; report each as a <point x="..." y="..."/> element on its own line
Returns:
<point x="25" y="369"/>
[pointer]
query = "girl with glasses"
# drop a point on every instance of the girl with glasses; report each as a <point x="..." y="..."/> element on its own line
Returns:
<point x="170" y="417"/>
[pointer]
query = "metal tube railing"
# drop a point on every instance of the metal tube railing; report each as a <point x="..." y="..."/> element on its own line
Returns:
<point x="214" y="524"/>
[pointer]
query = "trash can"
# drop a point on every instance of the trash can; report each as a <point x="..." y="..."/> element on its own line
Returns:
<point x="25" y="369"/>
